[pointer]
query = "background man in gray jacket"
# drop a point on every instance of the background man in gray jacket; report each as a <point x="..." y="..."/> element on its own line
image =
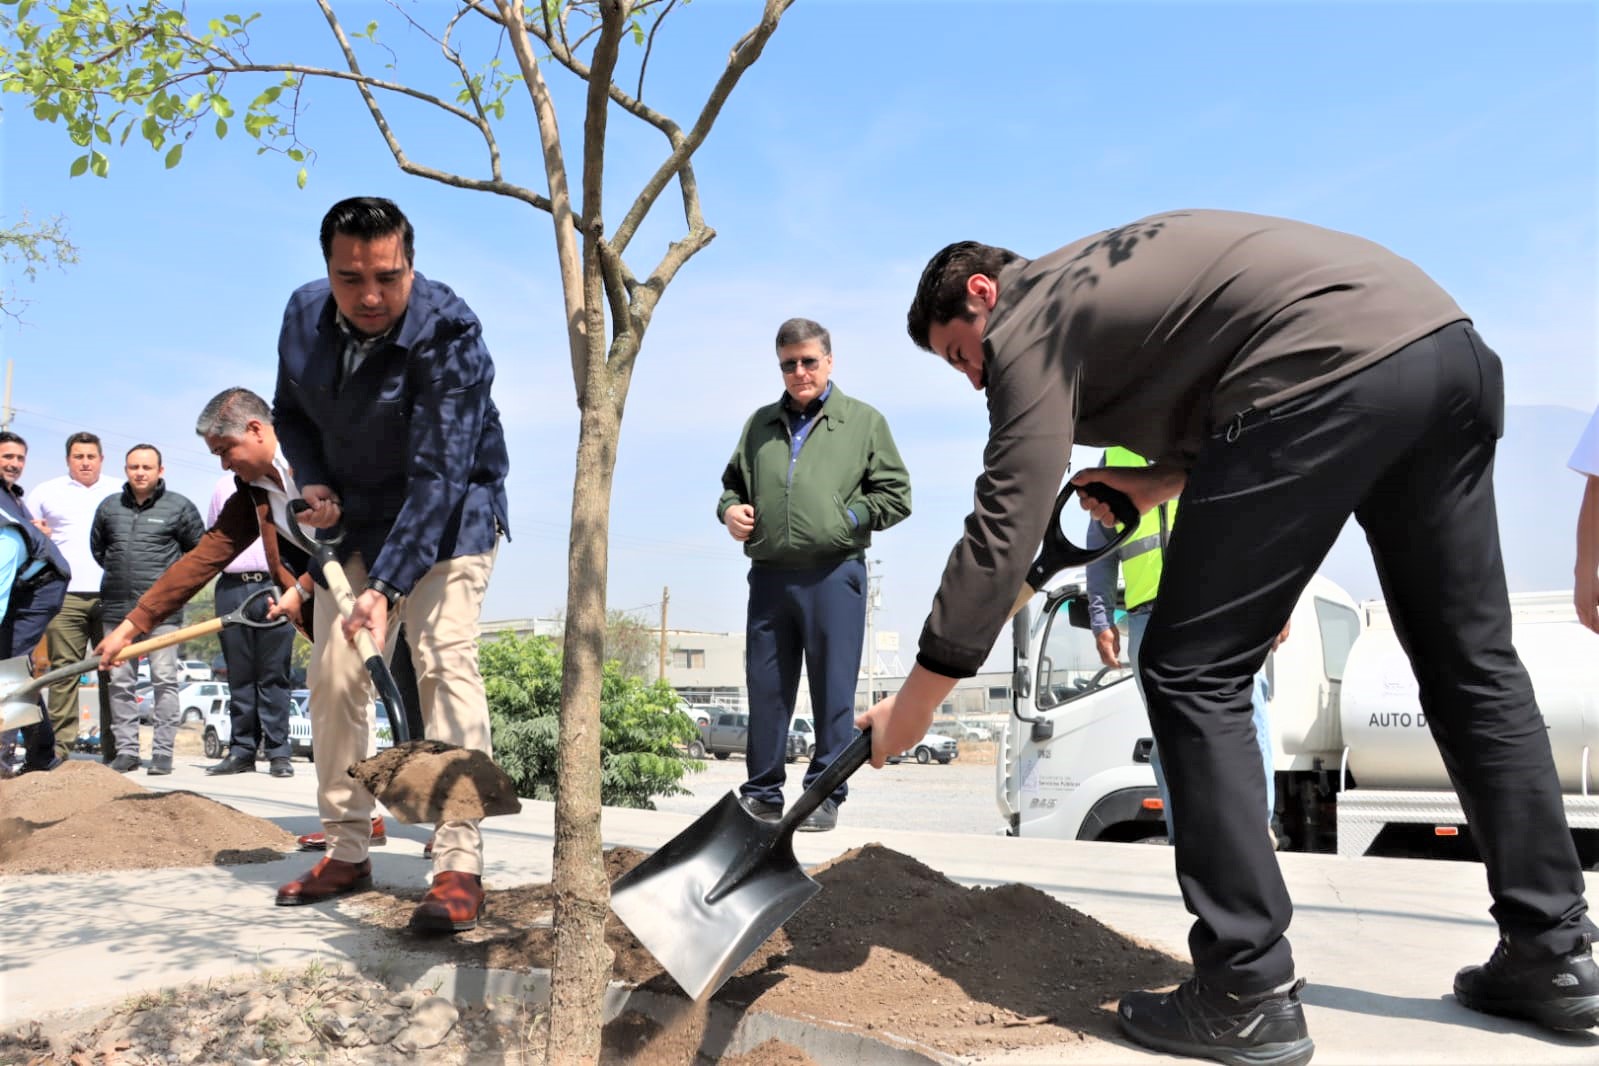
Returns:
<point x="137" y="534"/>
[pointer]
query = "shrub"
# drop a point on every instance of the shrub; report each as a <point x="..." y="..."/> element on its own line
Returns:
<point x="641" y="727"/>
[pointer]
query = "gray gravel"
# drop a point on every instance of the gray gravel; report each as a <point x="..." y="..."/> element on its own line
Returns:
<point x="958" y="798"/>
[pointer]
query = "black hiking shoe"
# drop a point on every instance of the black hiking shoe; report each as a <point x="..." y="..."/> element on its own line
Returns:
<point x="123" y="764"/>
<point x="1557" y="991"/>
<point x="822" y="819"/>
<point x="1262" y="1030"/>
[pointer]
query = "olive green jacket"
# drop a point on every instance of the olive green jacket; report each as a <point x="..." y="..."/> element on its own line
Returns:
<point x="848" y="463"/>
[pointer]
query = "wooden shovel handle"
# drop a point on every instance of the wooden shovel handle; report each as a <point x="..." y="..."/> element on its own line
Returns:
<point x="166" y="640"/>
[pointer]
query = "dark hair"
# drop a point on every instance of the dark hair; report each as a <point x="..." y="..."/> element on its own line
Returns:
<point x="799" y="330"/>
<point x="941" y="294"/>
<point x="367" y="218"/>
<point x="8" y="437"/>
<point x="228" y="413"/>
<point x="83" y="436"/>
<point x="145" y="448"/>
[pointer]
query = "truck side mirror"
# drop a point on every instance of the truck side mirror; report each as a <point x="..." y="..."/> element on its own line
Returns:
<point x="1077" y="612"/>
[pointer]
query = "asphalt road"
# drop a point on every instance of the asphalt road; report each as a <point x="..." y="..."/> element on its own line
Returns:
<point x="958" y="798"/>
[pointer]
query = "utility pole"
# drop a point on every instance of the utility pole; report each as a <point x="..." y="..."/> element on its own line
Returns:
<point x="666" y="596"/>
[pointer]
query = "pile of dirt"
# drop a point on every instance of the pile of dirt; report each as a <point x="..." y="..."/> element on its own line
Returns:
<point x="426" y="781"/>
<point x="83" y="816"/>
<point x="888" y="944"/>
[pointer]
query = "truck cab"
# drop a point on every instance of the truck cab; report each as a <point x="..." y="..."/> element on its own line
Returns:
<point x="1074" y="758"/>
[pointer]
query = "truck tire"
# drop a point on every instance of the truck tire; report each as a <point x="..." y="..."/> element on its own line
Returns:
<point x="696" y="750"/>
<point x="923" y="756"/>
<point x="721" y="754"/>
<point x="213" y="744"/>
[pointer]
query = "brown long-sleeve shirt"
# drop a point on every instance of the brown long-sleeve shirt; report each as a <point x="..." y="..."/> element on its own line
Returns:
<point x="1153" y="336"/>
<point x="244" y="518"/>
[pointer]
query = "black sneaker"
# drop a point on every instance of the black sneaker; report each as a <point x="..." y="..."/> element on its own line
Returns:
<point x="766" y="812"/>
<point x="1559" y="991"/>
<point x="821" y="819"/>
<point x="282" y="767"/>
<point x="1262" y="1030"/>
<point x="159" y="765"/>
<point x="126" y="763"/>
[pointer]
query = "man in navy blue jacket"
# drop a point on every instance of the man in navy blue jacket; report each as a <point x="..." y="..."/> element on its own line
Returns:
<point x="38" y="590"/>
<point x="384" y="415"/>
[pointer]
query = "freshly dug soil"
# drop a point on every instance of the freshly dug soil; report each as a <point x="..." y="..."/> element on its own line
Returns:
<point x="888" y="944"/>
<point x="83" y="816"/>
<point x="426" y="781"/>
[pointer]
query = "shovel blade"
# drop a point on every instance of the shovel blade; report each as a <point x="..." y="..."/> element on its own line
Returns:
<point x="16" y="682"/>
<point x="662" y="900"/>
<point x="14" y="714"/>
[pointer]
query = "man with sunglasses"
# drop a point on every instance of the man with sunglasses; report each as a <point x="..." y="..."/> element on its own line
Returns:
<point x="813" y="475"/>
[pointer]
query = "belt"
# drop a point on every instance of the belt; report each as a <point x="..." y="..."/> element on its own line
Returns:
<point x="251" y="576"/>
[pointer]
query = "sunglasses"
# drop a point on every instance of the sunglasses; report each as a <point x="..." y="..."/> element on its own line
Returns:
<point x="788" y="366"/>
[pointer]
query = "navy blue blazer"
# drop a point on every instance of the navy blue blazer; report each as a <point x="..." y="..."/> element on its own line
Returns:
<point x="412" y="443"/>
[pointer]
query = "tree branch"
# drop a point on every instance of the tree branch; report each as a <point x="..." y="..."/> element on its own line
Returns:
<point x="567" y="254"/>
<point x="649" y="45"/>
<point x="744" y="53"/>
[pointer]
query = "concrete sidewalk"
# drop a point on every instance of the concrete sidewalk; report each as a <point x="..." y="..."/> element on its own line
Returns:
<point x="1378" y="940"/>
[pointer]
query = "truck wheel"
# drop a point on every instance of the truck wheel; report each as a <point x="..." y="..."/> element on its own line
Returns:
<point x="696" y="750"/>
<point x="810" y="752"/>
<point x="944" y="762"/>
<point x="924" y="756"/>
<point x="213" y="745"/>
<point x="721" y="754"/>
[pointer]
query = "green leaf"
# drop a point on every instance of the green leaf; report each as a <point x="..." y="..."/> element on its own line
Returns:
<point x="297" y="155"/>
<point x="102" y="134"/>
<point x="220" y="105"/>
<point x="175" y="156"/>
<point x="79" y="166"/>
<point x="300" y="178"/>
<point x="99" y="164"/>
<point x="222" y="128"/>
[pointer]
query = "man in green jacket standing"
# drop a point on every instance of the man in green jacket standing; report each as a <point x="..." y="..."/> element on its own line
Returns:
<point x="813" y="475"/>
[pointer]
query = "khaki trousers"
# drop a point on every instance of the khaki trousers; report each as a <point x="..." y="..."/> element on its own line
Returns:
<point x="440" y="616"/>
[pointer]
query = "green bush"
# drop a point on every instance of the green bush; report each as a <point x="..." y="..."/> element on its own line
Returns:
<point x="641" y="727"/>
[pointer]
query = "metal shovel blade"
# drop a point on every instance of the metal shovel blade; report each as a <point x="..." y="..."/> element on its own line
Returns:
<point x="17" y="710"/>
<point x="663" y="899"/>
<point x="712" y="894"/>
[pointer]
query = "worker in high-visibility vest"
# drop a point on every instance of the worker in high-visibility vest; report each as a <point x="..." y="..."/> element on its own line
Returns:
<point x="1140" y="558"/>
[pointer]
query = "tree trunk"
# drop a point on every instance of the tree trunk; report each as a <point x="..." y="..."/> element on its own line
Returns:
<point x="582" y="893"/>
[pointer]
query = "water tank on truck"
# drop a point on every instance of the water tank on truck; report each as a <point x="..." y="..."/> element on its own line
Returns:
<point x="1389" y="743"/>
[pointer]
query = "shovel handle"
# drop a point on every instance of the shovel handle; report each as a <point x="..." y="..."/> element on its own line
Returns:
<point x="852" y="758"/>
<point x="132" y="651"/>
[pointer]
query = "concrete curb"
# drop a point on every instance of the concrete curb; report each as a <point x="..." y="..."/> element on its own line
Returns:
<point x="728" y="1031"/>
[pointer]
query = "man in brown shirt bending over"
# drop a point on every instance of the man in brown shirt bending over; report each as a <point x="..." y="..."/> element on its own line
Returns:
<point x="1282" y="377"/>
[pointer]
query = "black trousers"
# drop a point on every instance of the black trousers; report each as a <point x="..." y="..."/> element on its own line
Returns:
<point x="258" y="677"/>
<point x="32" y="607"/>
<point x="1407" y="447"/>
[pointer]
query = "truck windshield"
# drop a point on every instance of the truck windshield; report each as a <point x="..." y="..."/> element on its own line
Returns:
<point x="1068" y="661"/>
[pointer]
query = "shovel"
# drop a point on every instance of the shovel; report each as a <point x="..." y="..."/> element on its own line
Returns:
<point x="19" y="704"/>
<point x="712" y="894"/>
<point x="1057" y="553"/>
<point x="418" y="781"/>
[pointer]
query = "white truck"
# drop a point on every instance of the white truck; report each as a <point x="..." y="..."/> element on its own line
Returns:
<point x="1356" y="768"/>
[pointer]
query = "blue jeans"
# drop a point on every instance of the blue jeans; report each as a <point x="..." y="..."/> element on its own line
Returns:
<point x="1136" y="623"/>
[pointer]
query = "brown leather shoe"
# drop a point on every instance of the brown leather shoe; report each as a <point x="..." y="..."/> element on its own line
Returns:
<point x="319" y="841"/>
<point x="329" y="878"/>
<point x="452" y="904"/>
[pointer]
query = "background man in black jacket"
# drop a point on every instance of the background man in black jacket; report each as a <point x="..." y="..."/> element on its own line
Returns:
<point x="136" y="536"/>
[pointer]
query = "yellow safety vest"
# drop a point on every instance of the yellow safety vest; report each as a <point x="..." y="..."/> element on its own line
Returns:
<point x="1140" y="554"/>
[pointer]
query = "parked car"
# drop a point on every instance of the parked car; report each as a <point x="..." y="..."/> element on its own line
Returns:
<point x="197" y="697"/>
<point x="930" y="747"/>
<point x="193" y="670"/>
<point x="959" y="730"/>
<point x="807" y="733"/>
<point x="218" y="731"/>
<point x="728" y="734"/>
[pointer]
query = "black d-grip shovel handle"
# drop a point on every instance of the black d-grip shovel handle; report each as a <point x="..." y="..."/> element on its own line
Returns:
<point x="1058" y="553"/>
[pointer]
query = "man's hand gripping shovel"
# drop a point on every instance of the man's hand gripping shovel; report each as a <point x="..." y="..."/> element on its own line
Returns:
<point x="419" y="781"/>
<point x="19" y="692"/>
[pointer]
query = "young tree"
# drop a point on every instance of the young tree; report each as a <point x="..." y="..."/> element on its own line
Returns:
<point x="104" y="71"/>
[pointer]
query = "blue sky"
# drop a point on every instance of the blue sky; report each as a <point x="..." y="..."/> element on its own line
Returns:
<point x="1463" y="135"/>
